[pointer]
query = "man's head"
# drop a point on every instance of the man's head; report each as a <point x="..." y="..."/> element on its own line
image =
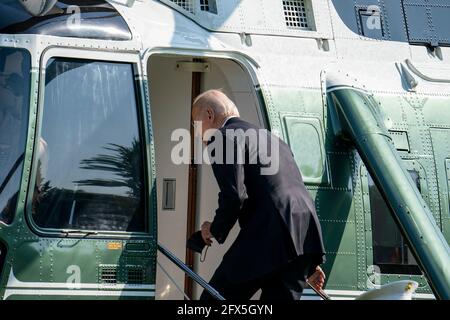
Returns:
<point x="211" y="108"/>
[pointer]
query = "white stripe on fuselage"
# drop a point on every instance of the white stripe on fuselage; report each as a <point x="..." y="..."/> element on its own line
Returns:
<point x="77" y="292"/>
<point x="17" y="287"/>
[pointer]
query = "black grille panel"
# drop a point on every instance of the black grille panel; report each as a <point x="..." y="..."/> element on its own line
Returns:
<point x="108" y="274"/>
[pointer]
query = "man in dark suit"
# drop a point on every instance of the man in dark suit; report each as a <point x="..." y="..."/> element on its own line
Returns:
<point x="280" y="244"/>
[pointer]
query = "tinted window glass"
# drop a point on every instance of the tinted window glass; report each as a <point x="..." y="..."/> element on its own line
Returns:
<point x="89" y="172"/>
<point x="390" y="250"/>
<point x="14" y="102"/>
<point x="94" y="19"/>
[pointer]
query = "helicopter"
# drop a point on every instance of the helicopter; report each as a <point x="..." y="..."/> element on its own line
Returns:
<point x="92" y="205"/>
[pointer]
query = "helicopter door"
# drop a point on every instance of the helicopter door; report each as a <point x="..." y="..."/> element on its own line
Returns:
<point x="88" y="198"/>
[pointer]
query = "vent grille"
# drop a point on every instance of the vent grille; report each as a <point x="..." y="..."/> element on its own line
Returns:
<point x="204" y="5"/>
<point x="187" y="5"/>
<point x="209" y="6"/>
<point x="295" y="14"/>
<point x="135" y="275"/>
<point x="108" y="274"/>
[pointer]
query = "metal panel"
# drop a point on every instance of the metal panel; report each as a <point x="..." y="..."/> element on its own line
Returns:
<point x="445" y="215"/>
<point x="302" y="18"/>
<point x="441" y="150"/>
<point x="336" y="211"/>
<point x="427" y="21"/>
<point x="374" y="19"/>
<point x="440" y="15"/>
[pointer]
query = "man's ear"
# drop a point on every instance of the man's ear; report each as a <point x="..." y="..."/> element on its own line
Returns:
<point x="210" y="113"/>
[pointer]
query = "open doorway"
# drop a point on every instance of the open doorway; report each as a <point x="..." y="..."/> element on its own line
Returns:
<point x="173" y="82"/>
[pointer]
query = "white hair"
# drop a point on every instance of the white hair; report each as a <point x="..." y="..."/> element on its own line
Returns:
<point x="218" y="101"/>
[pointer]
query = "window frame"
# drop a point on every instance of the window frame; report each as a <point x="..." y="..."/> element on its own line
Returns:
<point x="101" y="56"/>
<point x="395" y="268"/>
<point x="360" y="22"/>
<point x="23" y="174"/>
<point x="384" y="278"/>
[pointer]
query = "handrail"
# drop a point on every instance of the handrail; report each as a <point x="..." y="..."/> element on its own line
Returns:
<point x="356" y="114"/>
<point x="421" y="75"/>
<point x="173" y="280"/>
<point x="190" y="273"/>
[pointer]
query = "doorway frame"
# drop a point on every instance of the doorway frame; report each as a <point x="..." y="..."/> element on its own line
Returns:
<point x="248" y="65"/>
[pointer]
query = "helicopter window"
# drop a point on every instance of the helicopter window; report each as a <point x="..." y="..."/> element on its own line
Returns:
<point x="14" y="98"/>
<point x="90" y="168"/>
<point x="93" y="19"/>
<point x="370" y="22"/>
<point x="390" y="250"/>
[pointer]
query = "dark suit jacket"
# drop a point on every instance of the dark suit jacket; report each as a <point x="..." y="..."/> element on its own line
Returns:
<point x="275" y="212"/>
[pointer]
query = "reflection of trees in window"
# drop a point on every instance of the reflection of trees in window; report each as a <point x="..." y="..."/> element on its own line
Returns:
<point x="93" y="210"/>
<point x="125" y="163"/>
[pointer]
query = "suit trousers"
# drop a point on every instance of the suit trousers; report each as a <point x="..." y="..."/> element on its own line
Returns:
<point x="285" y="283"/>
